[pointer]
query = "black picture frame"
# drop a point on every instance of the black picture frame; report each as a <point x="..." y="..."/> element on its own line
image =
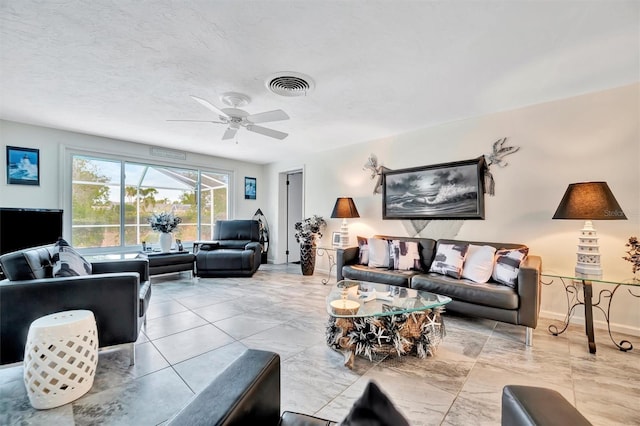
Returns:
<point x="23" y="166"/>
<point x="250" y="189"/>
<point x="440" y="191"/>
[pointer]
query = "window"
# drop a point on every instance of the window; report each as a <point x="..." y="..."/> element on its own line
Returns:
<point x="112" y="200"/>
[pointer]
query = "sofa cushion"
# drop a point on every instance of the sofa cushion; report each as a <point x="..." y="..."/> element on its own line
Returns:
<point x="478" y="265"/>
<point x="507" y="265"/>
<point x="449" y="259"/>
<point x="226" y="259"/>
<point x="404" y="255"/>
<point x="28" y="264"/>
<point x="232" y="244"/>
<point x="374" y="408"/>
<point x="487" y="294"/>
<point x="378" y="275"/>
<point x="363" y="251"/>
<point x="236" y="230"/>
<point x="67" y="262"/>
<point x="378" y="253"/>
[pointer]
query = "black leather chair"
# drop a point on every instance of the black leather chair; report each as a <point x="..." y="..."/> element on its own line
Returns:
<point x="247" y="392"/>
<point x="117" y="292"/>
<point x="234" y="252"/>
<point x="534" y="406"/>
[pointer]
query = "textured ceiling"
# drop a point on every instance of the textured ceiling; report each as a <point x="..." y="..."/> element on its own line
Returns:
<point x="122" y="68"/>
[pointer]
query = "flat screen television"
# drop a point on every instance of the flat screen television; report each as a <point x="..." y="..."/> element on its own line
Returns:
<point x="23" y="228"/>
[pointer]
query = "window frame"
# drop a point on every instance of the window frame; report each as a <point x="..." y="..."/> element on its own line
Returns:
<point x="66" y="184"/>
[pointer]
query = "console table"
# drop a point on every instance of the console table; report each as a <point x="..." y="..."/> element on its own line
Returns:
<point x="604" y="301"/>
<point x="330" y="252"/>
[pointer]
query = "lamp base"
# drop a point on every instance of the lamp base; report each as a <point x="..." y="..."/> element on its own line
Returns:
<point x="344" y="234"/>
<point x="584" y="271"/>
<point x="588" y="264"/>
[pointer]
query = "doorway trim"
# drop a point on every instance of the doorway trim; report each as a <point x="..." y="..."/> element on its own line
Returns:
<point x="281" y="249"/>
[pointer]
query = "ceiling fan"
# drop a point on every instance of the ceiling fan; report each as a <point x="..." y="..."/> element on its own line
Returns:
<point x="236" y="118"/>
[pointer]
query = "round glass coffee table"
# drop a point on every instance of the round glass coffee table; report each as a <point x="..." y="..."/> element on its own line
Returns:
<point x="378" y="320"/>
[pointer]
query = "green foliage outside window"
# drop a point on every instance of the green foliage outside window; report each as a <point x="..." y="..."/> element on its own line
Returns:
<point x="148" y="189"/>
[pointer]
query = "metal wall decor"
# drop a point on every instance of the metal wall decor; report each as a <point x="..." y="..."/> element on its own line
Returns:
<point x="376" y="171"/>
<point x="497" y="155"/>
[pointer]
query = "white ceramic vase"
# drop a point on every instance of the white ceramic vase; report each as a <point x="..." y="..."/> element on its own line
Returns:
<point x="165" y="242"/>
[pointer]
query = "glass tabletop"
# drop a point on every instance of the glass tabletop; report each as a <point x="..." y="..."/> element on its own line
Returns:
<point x="355" y="299"/>
<point x="593" y="279"/>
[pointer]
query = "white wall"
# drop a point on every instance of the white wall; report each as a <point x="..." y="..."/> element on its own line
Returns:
<point x="587" y="138"/>
<point x="54" y="168"/>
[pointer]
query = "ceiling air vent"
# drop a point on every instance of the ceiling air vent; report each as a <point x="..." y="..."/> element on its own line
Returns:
<point x="290" y="84"/>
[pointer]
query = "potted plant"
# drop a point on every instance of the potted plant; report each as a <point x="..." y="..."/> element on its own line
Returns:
<point x="165" y="224"/>
<point x="634" y="254"/>
<point x="306" y="233"/>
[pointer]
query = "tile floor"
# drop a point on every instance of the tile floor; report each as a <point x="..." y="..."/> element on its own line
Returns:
<point x="197" y="327"/>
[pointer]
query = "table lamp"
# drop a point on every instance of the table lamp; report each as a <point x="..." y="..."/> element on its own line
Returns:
<point x="589" y="201"/>
<point x="344" y="208"/>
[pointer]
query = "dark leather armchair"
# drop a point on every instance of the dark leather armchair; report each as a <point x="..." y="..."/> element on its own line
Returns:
<point x="247" y="392"/>
<point x="117" y="292"/>
<point x="234" y="252"/>
<point x="535" y="406"/>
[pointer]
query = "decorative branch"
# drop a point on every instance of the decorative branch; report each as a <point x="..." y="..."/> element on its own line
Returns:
<point x="376" y="170"/>
<point x="499" y="151"/>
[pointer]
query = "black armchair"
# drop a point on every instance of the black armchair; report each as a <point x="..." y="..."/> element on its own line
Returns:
<point x="234" y="252"/>
<point x="246" y="393"/>
<point x="117" y="292"/>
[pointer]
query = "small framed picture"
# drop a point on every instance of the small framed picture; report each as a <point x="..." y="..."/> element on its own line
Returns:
<point x="335" y="238"/>
<point x="249" y="188"/>
<point x="23" y="166"/>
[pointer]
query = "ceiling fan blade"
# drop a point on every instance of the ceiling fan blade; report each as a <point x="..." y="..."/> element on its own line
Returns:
<point x="210" y="106"/>
<point x="202" y="121"/>
<point x="263" y="117"/>
<point x="267" y="132"/>
<point x="229" y="133"/>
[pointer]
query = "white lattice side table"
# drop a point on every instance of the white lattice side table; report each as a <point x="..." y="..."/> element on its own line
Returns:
<point x="60" y="358"/>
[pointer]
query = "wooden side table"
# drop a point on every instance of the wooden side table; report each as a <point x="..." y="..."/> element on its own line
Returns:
<point x="60" y="358"/>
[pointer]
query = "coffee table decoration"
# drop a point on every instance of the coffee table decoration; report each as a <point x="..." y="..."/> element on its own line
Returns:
<point x="407" y="323"/>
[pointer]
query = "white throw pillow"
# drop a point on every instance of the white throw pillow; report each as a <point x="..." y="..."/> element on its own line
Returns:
<point x="478" y="265"/>
<point x="378" y="253"/>
<point x="449" y="259"/>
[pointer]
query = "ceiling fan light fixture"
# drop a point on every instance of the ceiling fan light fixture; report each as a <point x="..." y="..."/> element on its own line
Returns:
<point x="235" y="99"/>
<point x="290" y="84"/>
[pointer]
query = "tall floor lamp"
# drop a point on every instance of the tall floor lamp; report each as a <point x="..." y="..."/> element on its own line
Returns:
<point x="589" y="201"/>
<point x="345" y="209"/>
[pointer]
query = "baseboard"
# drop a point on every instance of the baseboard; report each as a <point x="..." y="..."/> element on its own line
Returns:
<point x="598" y="324"/>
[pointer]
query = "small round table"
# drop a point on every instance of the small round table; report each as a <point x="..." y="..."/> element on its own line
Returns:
<point x="60" y="358"/>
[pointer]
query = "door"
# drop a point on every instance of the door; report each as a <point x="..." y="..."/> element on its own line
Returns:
<point x="294" y="214"/>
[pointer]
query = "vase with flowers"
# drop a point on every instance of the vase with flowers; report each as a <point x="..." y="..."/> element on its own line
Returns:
<point x="306" y="233"/>
<point x="633" y="255"/>
<point x="164" y="223"/>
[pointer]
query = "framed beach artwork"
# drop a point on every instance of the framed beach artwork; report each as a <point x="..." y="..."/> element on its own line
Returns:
<point x="249" y="188"/>
<point x="23" y="166"/>
<point x="440" y="191"/>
